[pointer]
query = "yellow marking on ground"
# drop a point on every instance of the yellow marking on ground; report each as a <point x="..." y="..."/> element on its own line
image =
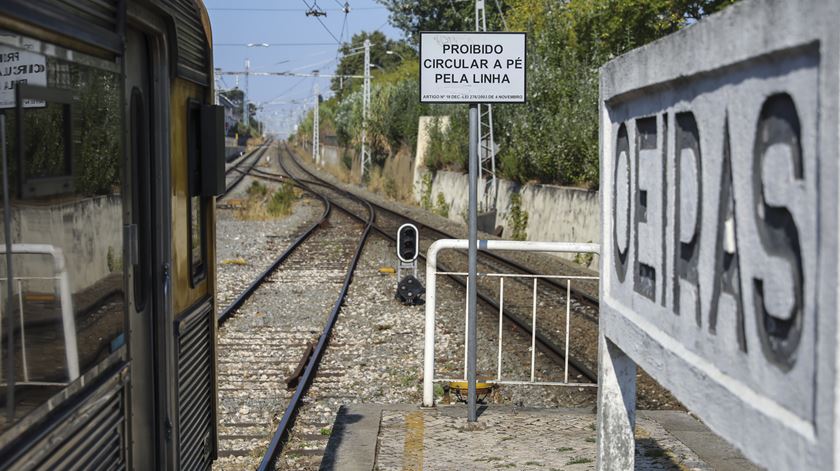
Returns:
<point x="413" y="447"/>
<point x="234" y="261"/>
<point x="31" y="297"/>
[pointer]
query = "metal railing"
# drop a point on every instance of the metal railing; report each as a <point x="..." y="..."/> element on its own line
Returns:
<point x="494" y="245"/>
<point x="61" y="279"/>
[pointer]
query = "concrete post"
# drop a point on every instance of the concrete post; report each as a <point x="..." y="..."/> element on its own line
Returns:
<point x="616" y="407"/>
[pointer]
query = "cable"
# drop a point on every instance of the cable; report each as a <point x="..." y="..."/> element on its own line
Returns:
<point x="292" y="9"/>
<point x="289" y="89"/>
<point x="322" y="23"/>
<point x="273" y="44"/>
<point x="501" y="13"/>
<point x="328" y="30"/>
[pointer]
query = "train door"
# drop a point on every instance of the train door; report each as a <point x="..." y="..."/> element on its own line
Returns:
<point x="146" y="232"/>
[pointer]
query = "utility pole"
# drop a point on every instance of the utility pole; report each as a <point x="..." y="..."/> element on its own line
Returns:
<point x="245" y="111"/>
<point x="365" y="107"/>
<point x="217" y="78"/>
<point x="486" y="145"/>
<point x="316" y="155"/>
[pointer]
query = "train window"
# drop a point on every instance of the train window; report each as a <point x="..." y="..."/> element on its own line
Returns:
<point x="141" y="212"/>
<point x="196" y="209"/>
<point x="63" y="125"/>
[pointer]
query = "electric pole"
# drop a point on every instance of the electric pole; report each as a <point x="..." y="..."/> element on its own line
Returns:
<point x="486" y="144"/>
<point x="365" y="106"/>
<point x="245" y="111"/>
<point x="316" y="155"/>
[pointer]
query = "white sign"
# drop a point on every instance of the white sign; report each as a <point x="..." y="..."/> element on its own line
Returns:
<point x="472" y="67"/>
<point x="18" y="66"/>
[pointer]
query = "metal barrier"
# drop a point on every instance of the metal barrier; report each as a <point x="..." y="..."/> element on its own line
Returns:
<point x="68" y="320"/>
<point x="493" y="245"/>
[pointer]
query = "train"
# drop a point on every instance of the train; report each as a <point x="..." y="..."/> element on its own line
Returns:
<point x="112" y="157"/>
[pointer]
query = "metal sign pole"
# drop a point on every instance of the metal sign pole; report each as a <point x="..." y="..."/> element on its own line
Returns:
<point x="10" y="293"/>
<point x="471" y="268"/>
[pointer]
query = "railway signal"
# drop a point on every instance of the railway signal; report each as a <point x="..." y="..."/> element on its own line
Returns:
<point x="408" y="243"/>
<point x="409" y="289"/>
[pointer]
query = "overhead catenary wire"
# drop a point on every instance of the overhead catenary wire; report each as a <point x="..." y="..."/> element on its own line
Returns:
<point x="299" y="10"/>
<point x="273" y="44"/>
<point x="338" y="41"/>
<point x="286" y="91"/>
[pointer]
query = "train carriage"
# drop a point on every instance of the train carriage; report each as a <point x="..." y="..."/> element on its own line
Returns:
<point x="112" y="157"/>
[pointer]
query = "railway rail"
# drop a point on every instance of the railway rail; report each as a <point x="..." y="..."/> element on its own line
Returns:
<point x="368" y="217"/>
<point x="234" y="174"/>
<point x="487" y="261"/>
<point x="311" y="352"/>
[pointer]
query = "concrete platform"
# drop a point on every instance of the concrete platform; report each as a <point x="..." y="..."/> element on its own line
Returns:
<point x="387" y="437"/>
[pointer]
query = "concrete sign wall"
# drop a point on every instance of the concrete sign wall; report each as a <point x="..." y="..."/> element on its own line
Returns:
<point x="719" y="177"/>
<point x="457" y="67"/>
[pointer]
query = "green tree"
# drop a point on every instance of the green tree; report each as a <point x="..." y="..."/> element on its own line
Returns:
<point x="413" y="16"/>
<point x="352" y="60"/>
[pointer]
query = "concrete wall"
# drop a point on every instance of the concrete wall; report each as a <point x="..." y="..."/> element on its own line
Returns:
<point x="330" y="155"/>
<point x="554" y="213"/>
<point x="86" y="230"/>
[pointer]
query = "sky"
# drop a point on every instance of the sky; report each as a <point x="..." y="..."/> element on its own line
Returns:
<point x="297" y="43"/>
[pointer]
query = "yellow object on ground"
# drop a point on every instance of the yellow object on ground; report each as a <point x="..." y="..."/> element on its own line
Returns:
<point x="387" y="270"/>
<point x="234" y="261"/>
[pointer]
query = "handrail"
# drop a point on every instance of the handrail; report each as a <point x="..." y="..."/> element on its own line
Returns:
<point x="68" y="320"/>
<point x="431" y="281"/>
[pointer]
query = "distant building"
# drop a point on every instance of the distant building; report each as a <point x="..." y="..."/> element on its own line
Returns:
<point x="233" y="113"/>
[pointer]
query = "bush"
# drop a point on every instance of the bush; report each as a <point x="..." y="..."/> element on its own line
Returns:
<point x="518" y="218"/>
<point x="281" y="201"/>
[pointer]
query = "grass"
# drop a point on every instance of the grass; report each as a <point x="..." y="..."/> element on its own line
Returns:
<point x="655" y="452"/>
<point x="326" y="431"/>
<point x="579" y="460"/>
<point x="262" y="204"/>
<point x="281" y="201"/>
<point x="590" y="439"/>
<point x="564" y="449"/>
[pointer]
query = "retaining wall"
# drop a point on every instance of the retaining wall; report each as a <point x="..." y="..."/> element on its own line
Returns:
<point x="555" y="213"/>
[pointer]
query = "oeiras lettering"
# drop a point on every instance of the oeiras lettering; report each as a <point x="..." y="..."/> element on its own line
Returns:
<point x="643" y="163"/>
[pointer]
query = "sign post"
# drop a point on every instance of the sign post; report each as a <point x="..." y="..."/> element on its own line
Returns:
<point x="472" y="68"/>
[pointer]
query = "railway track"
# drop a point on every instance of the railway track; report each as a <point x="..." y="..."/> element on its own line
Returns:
<point x="261" y="342"/>
<point x="236" y="171"/>
<point x="253" y="400"/>
<point x="548" y="337"/>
